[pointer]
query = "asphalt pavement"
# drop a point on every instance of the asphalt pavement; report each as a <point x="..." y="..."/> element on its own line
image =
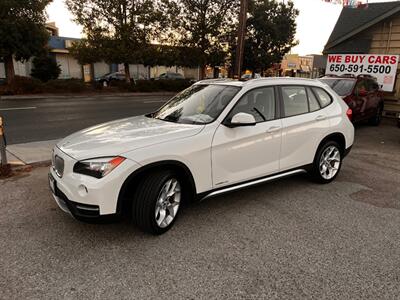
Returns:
<point x="289" y="239"/>
<point x="49" y="118"/>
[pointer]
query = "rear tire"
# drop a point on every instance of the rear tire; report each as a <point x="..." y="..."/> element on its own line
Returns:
<point x="156" y="202"/>
<point x="376" y="120"/>
<point x="327" y="162"/>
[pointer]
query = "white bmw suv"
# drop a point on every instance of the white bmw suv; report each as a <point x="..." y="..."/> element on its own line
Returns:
<point x="214" y="137"/>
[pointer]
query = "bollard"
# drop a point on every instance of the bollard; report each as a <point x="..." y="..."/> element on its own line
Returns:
<point x="3" y="153"/>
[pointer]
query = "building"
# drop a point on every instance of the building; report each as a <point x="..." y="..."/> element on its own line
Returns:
<point x="70" y="67"/>
<point x="308" y="66"/>
<point x="370" y="30"/>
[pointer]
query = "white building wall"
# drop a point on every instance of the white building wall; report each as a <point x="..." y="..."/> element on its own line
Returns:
<point x="70" y="68"/>
<point x="139" y="71"/>
<point x="23" y="68"/>
<point x="100" y="69"/>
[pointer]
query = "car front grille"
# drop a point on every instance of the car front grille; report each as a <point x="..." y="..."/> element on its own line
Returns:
<point x="58" y="166"/>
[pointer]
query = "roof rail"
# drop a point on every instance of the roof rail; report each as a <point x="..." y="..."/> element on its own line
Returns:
<point x="215" y="80"/>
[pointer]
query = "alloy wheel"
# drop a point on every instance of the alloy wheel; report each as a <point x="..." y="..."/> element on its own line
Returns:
<point x="329" y="162"/>
<point x="168" y="203"/>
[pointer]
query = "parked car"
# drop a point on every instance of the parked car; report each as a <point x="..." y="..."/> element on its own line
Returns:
<point x="214" y="137"/>
<point x="250" y="76"/>
<point x="362" y="94"/>
<point x="170" y="76"/>
<point x="109" y="77"/>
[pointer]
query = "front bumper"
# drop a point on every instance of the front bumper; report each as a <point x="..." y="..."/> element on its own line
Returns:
<point x="78" y="210"/>
<point x="85" y="196"/>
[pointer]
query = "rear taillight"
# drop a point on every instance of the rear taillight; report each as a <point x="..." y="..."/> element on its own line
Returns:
<point x="349" y="114"/>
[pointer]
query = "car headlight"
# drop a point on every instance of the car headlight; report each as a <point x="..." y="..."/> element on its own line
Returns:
<point x="98" y="167"/>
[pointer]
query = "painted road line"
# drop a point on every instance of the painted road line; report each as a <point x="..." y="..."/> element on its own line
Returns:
<point x="18" y="108"/>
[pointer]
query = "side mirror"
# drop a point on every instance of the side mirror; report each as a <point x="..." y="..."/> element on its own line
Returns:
<point x="242" y="119"/>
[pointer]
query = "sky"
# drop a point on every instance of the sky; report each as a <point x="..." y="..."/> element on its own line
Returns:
<point x="314" y="23"/>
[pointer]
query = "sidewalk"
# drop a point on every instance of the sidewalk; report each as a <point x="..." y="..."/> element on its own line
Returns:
<point x="34" y="153"/>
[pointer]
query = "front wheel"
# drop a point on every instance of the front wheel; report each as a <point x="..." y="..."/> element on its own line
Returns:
<point x="157" y="201"/>
<point x="327" y="162"/>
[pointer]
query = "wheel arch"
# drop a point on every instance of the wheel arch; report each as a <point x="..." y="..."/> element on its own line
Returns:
<point x="337" y="137"/>
<point x="131" y="182"/>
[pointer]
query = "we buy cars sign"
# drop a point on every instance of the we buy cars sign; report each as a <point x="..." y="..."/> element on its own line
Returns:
<point x="382" y="67"/>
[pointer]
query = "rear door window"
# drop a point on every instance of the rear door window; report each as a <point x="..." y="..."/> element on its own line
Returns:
<point x="323" y="97"/>
<point x="312" y="99"/>
<point x="295" y="101"/>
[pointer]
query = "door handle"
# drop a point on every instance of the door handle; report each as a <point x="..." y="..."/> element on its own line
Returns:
<point x="320" y="118"/>
<point x="273" y="129"/>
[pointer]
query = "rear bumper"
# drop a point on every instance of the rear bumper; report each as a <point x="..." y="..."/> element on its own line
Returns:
<point x="347" y="151"/>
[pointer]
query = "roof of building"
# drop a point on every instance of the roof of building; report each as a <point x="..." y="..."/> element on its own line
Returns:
<point x="354" y="20"/>
<point x="58" y="42"/>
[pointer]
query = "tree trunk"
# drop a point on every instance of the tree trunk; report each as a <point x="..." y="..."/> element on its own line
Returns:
<point x="127" y="73"/>
<point x="9" y="66"/>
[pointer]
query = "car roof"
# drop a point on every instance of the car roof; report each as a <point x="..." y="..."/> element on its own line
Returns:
<point x="264" y="81"/>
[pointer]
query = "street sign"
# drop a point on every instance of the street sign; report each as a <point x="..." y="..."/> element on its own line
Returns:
<point x="350" y="3"/>
<point x="382" y="67"/>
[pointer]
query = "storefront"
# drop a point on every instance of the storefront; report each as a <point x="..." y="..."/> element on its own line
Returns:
<point x="371" y="30"/>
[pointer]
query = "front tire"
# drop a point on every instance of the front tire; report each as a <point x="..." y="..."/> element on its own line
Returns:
<point x="327" y="162"/>
<point x="157" y="201"/>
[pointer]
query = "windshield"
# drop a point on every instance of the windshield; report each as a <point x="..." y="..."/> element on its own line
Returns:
<point x="342" y="87"/>
<point x="199" y="104"/>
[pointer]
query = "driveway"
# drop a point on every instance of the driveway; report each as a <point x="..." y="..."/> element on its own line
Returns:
<point x="290" y="239"/>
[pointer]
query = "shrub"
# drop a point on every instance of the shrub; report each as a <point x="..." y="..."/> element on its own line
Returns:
<point x="65" y="86"/>
<point x="22" y="85"/>
<point x="45" y="68"/>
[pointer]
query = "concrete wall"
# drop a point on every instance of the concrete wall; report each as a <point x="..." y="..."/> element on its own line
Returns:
<point x="70" y="68"/>
<point x="23" y="68"/>
<point x="139" y="71"/>
<point x="101" y="68"/>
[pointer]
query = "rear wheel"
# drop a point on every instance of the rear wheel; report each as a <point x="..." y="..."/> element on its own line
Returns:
<point x="327" y="162"/>
<point x="377" y="118"/>
<point x="157" y="201"/>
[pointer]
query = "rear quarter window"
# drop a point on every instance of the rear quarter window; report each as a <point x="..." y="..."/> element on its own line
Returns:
<point x="323" y="97"/>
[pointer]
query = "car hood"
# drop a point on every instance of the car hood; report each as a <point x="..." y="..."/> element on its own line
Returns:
<point x="117" y="137"/>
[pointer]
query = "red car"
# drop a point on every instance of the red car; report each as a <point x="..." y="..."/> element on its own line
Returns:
<point x="362" y="94"/>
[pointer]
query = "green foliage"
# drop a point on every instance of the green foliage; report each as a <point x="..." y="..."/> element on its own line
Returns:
<point x="45" y="68"/>
<point x="201" y="25"/>
<point x="117" y="31"/>
<point x="271" y="29"/>
<point x="22" y="31"/>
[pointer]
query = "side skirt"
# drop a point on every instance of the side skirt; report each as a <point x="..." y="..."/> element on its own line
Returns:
<point x="246" y="184"/>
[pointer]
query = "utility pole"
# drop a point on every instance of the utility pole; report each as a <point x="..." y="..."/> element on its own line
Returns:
<point x="241" y="38"/>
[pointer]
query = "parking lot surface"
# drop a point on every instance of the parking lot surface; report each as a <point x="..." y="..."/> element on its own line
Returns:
<point x="289" y="239"/>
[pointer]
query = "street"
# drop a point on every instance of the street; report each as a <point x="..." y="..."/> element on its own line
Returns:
<point x="30" y="120"/>
<point x="289" y="239"/>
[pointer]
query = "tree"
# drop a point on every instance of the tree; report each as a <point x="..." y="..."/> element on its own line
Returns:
<point x="22" y="31"/>
<point x="117" y="31"/>
<point x="271" y="29"/>
<point x="45" y="68"/>
<point x="201" y="25"/>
